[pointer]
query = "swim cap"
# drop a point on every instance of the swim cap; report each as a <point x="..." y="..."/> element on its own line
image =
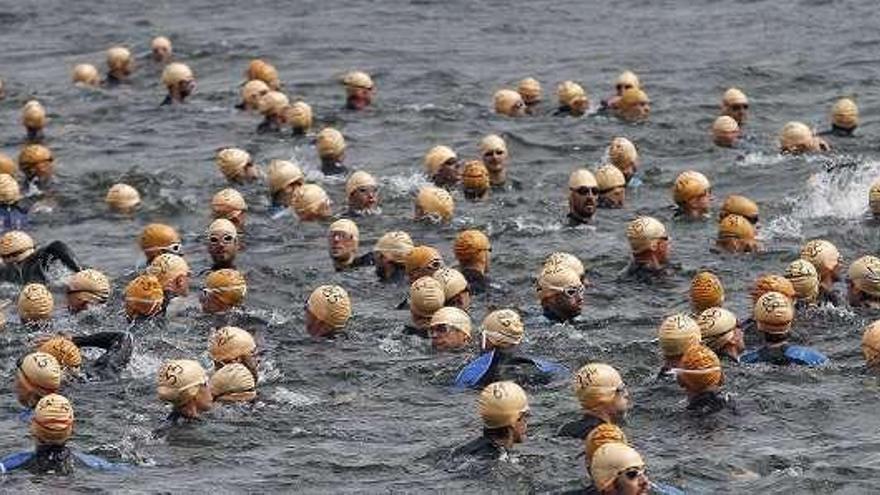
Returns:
<point x="118" y="57"/>
<point x="595" y="384"/>
<point x="453" y="281"/>
<point x="469" y="245"/>
<point x="35" y="303"/>
<point x="796" y="137"/>
<point x="716" y="327"/>
<point x="395" y="245"/>
<point x="32" y="155"/>
<point x="158" y="236"/>
<point x="52" y="423"/>
<point x="90" y="282"/>
<point x="689" y="185"/>
<point x="436" y="157"/>
<point x="566" y="260"/>
<point x="227" y="285"/>
<point x="822" y="254"/>
<point x="581" y="178"/>
<point x="706" y="291"/>
<point x="772" y="283"/>
<point x="628" y="78"/>
<point x="632" y="97"/>
<point x="874" y="198"/>
<point x="734" y="96"/>
<point x="230" y="343"/>
<point x="602" y="434"/>
<point x="179" y="380"/>
<point x="33" y="115"/>
<point x="122" y="197"/>
<point x="86" y="74"/>
<point x="143" y="296"/>
<point x="475" y="176"/>
<point x="423" y="257"/>
<point x="232" y="161"/>
<point x="252" y="91"/>
<point x="435" y="201"/>
<point x="357" y="79"/>
<point x="281" y="173"/>
<point x="331" y="305"/>
<point x="160" y="43"/>
<point x="359" y="179"/>
<point x="555" y="279"/>
<point x="569" y="93"/>
<point x="804" y="279"/>
<point x="864" y="273"/>
<point x="166" y="267"/>
<point x="492" y="142"/>
<point x="63" y="350"/>
<point x="736" y="227"/>
<point x="16" y="246"/>
<point x="222" y="226"/>
<point x="845" y="114"/>
<point x="610" y="461"/>
<point x="7" y="165"/>
<point x="175" y="73"/>
<point x="530" y="90"/>
<point x="299" y="116"/>
<point x="677" y="333"/>
<point x="503" y="328"/>
<point x="227" y="202"/>
<point x="622" y="153"/>
<point x="739" y="205"/>
<point x="41" y="371"/>
<point x="426" y="296"/>
<point x="452" y="317"/>
<point x="609" y="177"/>
<point x="724" y="130"/>
<point x="871" y="343"/>
<point x="643" y="233"/>
<point x="10" y="193"/>
<point x="272" y="103"/>
<point x="501" y="404"/>
<point x="233" y="383"/>
<point x="309" y="200"/>
<point x="774" y="313"/>
<point x="700" y="369"/>
<point x="508" y="102"/>
<point x="264" y="71"/>
<point x="330" y="143"/>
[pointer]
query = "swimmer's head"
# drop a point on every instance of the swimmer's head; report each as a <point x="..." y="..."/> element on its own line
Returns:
<point x="475" y="180"/>
<point x="38" y="375"/>
<point x="35" y="303"/>
<point x="623" y="154"/>
<point x="771" y="282"/>
<point x="824" y="256"/>
<point x="122" y="198"/>
<point x="229" y="204"/>
<point x="36" y="161"/>
<point x="736" y="235"/>
<point x="362" y="191"/>
<point x="863" y="282"/>
<point x="721" y="332"/>
<point x="845" y="114"/>
<point x="343" y="238"/>
<point x="16" y="246"/>
<point x="612" y="186"/>
<point x="283" y="178"/>
<point x="561" y="292"/>
<point x="143" y="297"/>
<point x="251" y="93"/>
<point x="602" y="434"/>
<point x="472" y="248"/>
<point x="796" y="138"/>
<point x="567" y="260"/>
<point x="530" y="91"/>
<point x="449" y="329"/>
<point x="504" y="409"/>
<point x="272" y="104"/>
<point x="871" y="344"/>
<point x="328" y="309"/>
<point x="10" y="193"/>
<point x="158" y="238"/>
<point x="7" y="165"/>
<point x="224" y="289"/>
<point x="311" y="203"/>
<point x="509" y="103"/>
<point x="874" y="199"/>
<point x="583" y="194"/>
<point x="298" y="116"/>
<point x="647" y="236"/>
<point x="263" y="71"/>
<point x="739" y="205"/>
<point x="52" y="422"/>
<point x="502" y="329"/>
<point x="161" y="49"/>
<point x="434" y="204"/>
<point x="119" y="62"/>
<point x="426" y="296"/>
<point x="706" y="292"/>
<point x="230" y="345"/>
<point x="183" y="383"/>
<point x="455" y="287"/>
<point x="236" y="165"/>
<point x="676" y="334"/>
<point x="634" y="105"/>
<point x="572" y="97"/>
<point x="422" y="261"/>
<point x="33" y="115"/>
<point x="64" y="351"/>
<point x="774" y="313"/>
<point x="391" y="252"/>
<point x="359" y="89"/>
<point x="330" y="144"/>
<point x="439" y="157"/>
<point x="85" y="75"/>
<point x="233" y="383"/>
<point x="734" y="104"/>
<point x="493" y="152"/>
<point x="173" y="273"/>
<point x="86" y="288"/>
<point x="618" y="468"/>
<point x="625" y="81"/>
<point x="600" y="390"/>
<point x="725" y="131"/>
<point x="692" y="193"/>
<point x="179" y="80"/>
<point x="804" y="279"/>
<point x="699" y="370"/>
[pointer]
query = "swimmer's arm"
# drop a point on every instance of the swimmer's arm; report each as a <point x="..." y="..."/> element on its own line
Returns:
<point x="60" y="251"/>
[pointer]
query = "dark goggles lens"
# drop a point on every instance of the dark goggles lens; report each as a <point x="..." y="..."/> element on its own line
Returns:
<point x="586" y="191"/>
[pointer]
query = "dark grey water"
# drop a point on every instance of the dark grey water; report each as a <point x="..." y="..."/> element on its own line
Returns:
<point x="372" y="413"/>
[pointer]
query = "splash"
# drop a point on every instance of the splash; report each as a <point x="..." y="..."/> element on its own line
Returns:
<point x="839" y="191"/>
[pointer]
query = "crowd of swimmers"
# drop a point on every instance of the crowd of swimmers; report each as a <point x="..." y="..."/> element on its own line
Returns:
<point x="694" y="345"/>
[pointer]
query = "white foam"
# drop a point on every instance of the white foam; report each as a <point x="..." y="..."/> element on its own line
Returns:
<point x="841" y="192"/>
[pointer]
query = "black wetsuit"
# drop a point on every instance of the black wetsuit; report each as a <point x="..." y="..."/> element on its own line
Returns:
<point x="267" y="125"/>
<point x="358" y="262"/>
<point x="515" y="367"/>
<point x="57" y="459"/>
<point x="645" y="274"/>
<point x="334" y="168"/>
<point x="838" y="132"/>
<point x="35" y="267"/>
<point x="833" y="297"/>
<point x="575" y="220"/>
<point x="482" y="448"/>
<point x="118" y="347"/>
<point x="550" y="315"/>
<point x="477" y="282"/>
<point x="708" y="403"/>
<point x="580" y="428"/>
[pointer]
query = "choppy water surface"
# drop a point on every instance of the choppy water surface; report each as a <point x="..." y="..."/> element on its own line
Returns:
<point x="372" y="412"/>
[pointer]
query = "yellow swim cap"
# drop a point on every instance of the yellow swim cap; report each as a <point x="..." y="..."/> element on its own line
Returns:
<point x="264" y="71"/>
<point x="330" y="143"/>
<point x="233" y="383"/>
<point x="796" y="137"/>
<point x="689" y="185"/>
<point x="309" y="199"/>
<point x="724" y="124"/>
<point x="118" y="57"/>
<point x="596" y="384"/>
<point x="454" y="318"/>
<point x="736" y="227"/>
<point x="359" y="179"/>
<point x="227" y="202"/>
<point x="299" y="116"/>
<point x="157" y="236"/>
<point x="423" y="257"/>
<point x="143" y="296"/>
<point x="601" y="435"/>
<point x="160" y="43"/>
<point x="346" y="226"/>
<point x="503" y="328"/>
<point x="571" y="93"/>
<point x="622" y="153"/>
<point x="874" y="198"/>
<point x="566" y="260"/>
<point x="677" y="333"/>
<point x="282" y="173"/>
<point x="643" y="234"/>
<point x="222" y="226"/>
<point x="845" y="114"/>
<point x="91" y="283"/>
<point x="475" y="176"/>
<point x="63" y="350"/>
<point x="609" y="177"/>
<point x="716" y="327"/>
<point x="706" y="291"/>
<point x="864" y="274"/>
<point x="804" y="279"/>
<point x="395" y="245"/>
<point x="734" y="96"/>
<point x="52" y="423"/>
<point x="35" y="303"/>
<point x="871" y="343"/>
<point x="739" y="205"/>
<point x="229" y="286"/>
<point x="502" y="404"/>
<point x="452" y="280"/>
<point x="774" y="313"/>
<point x="822" y="254"/>
<point x="176" y="73"/>
<point x="272" y="103"/>
<point x="436" y="157"/>
<point x="627" y="78"/>
<point x="492" y="142"/>
<point x="41" y="371"/>
<point x="508" y="102"/>
<point x="610" y="460"/>
<point x="32" y="155"/>
<point x="122" y="198"/>
<point x="33" y="115"/>
<point x="555" y="279"/>
<point x="86" y="74"/>
<point x="700" y="369"/>
<point x="331" y="305"/>
<point x="772" y="283"/>
<point x="357" y="80"/>
<point x="530" y="90"/>
<point x="632" y="97"/>
<point x="16" y="246"/>
<point x="252" y="91"/>
<point x="426" y="296"/>
<point x="10" y="193"/>
<point x="232" y="162"/>
<point x="435" y="201"/>
<point x="166" y="267"/>
<point x="7" y="165"/>
<point x="230" y="343"/>
<point x="179" y="380"/>
<point x="581" y="178"/>
<point x="470" y="245"/>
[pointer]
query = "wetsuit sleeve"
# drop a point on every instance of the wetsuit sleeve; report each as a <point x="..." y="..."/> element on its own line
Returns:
<point x="10" y="273"/>
<point x="472" y="374"/>
<point x="95" y="462"/>
<point x="58" y="250"/>
<point x="750" y="357"/>
<point x="15" y="461"/>
<point x="119" y="346"/>
<point x="805" y="355"/>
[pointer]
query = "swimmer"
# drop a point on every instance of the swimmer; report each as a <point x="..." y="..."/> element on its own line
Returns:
<point x="86" y="75"/>
<point x="871" y="345"/>
<point x="475" y="180"/>
<point x="676" y="335"/>
<point x="583" y="193"/>
<point x="183" y="383"/>
<point x="343" y="239"/>
<point x="283" y="178"/>
<point x="456" y="291"/>
<point x="117" y="347"/>
<point x="426" y="297"/>
<point x="33" y="118"/>
<point x="737" y="235"/>
<point x="472" y="250"/>
<point x="120" y="65"/>
<point x="735" y="104"/>
<point x="561" y="293"/>
<point x="612" y="186"/>
<point x="86" y="289"/>
<point x="603" y="398"/>
<point x="826" y="259"/>
<point x="844" y="118"/>
<point x="692" y="194"/>
<point x="796" y="138"/>
<point x="35" y="305"/>
<point x="649" y="243"/>
<point x="157" y="238"/>
<point x="160" y="48"/>
<point x="271" y="105"/>
<point x="331" y="150"/>
<point x="725" y="132"/>
<point x="530" y="91"/>
<point x="617" y="469"/>
<point x="173" y="274"/>
<point x="230" y="205"/>
<point x="123" y="199"/>
<point x="224" y="244"/>
<point x="805" y="281"/>
<point x="633" y="106"/>
<point x="362" y="191"/>
<point x="626" y="81"/>
<point x="251" y="94"/>
<point x="774" y="313"/>
<point x="13" y="215"/>
<point x="225" y="289"/>
<point x="180" y="82"/>
<point x="443" y="167"/>
<point x="299" y="117"/>
<point x="37" y="375"/>
<point x="233" y="384"/>
<point x="509" y="103"/>
<point x="434" y="205"/>
<point x="863" y="283"/>
<point x="38" y="165"/>
<point x="573" y="99"/>
<point x="504" y="409"/>
<point x="263" y="71"/>
<point x="23" y="262"/>
<point x="623" y="154"/>
<point x="567" y="260"/>
<point x="601" y="435"/>
<point x="701" y="376"/>
<point x="390" y="255"/>
<point x="450" y="329"/>
<point x="721" y="332"/>
<point x="311" y="203"/>
<point x="706" y="292"/>
<point x="237" y="166"/>
<point x="233" y="345"/>
<point x="359" y="90"/>
<point x="739" y="205"/>
<point x="493" y="151"/>
<point x="144" y="298"/>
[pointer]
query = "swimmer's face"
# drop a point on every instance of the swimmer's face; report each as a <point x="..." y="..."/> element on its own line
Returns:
<point x="462" y="300"/>
<point x="42" y="170"/>
<point x="620" y="88"/>
<point x="203" y="400"/>
<point x="583" y="201"/>
<point x="633" y="481"/>
<point x="579" y="106"/>
<point x="223" y="246"/>
<point x="161" y="54"/>
<point x="364" y="198"/>
<point x="521" y="427"/>
<point x="250" y="173"/>
<point x="735" y="346"/>
<point x="179" y="286"/>
<point x="449" y="173"/>
<point x="282" y="197"/>
<point x="663" y="250"/>
<point x="495" y="160"/>
<point x="385" y="268"/>
<point x="445" y="338"/>
<point x="77" y="301"/>
<point x="726" y="139"/>
<point x="613" y="198"/>
<point x="185" y="88"/>
<point x="341" y="245"/>
<point x="737" y="111"/>
<point x="700" y="204"/>
<point x="566" y="303"/>
<point x="360" y="98"/>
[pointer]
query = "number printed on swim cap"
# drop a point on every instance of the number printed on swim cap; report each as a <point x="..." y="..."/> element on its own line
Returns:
<point x="332" y="294"/>
<point x="498" y="391"/>
<point x="170" y="373"/>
